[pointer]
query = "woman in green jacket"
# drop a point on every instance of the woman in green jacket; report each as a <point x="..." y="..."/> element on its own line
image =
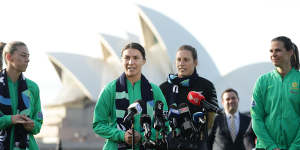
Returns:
<point x="111" y="108"/>
<point x="275" y="108"/>
<point x="20" y="109"/>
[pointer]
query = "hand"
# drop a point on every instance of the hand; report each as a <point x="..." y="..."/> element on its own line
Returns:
<point x="128" y="137"/>
<point x="15" y="119"/>
<point x="29" y="124"/>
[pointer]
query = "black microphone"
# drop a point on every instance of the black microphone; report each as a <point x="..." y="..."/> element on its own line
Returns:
<point x="187" y="127"/>
<point x="158" y="115"/>
<point x="199" y="121"/>
<point x="159" y="124"/>
<point x="133" y="109"/>
<point x="199" y="118"/>
<point x="173" y="115"/>
<point x="212" y="107"/>
<point x="145" y="122"/>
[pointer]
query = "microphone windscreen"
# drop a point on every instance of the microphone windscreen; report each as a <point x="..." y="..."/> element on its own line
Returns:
<point x="173" y="113"/>
<point x="135" y="107"/>
<point x="184" y="110"/>
<point x="195" y="97"/>
<point x="198" y="115"/>
<point x="183" y="107"/>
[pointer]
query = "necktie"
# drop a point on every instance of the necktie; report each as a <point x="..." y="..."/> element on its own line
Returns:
<point x="232" y="127"/>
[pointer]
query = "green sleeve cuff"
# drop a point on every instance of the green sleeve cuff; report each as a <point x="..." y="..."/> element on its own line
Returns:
<point x="8" y="119"/>
<point x="5" y="121"/>
<point x="36" y="128"/>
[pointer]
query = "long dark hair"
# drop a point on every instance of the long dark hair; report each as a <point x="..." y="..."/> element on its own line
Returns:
<point x="295" y="58"/>
<point x="289" y="45"/>
<point x="189" y="48"/>
<point x="136" y="46"/>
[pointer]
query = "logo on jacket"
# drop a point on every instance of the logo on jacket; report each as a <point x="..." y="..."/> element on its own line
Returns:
<point x="295" y="86"/>
<point x="253" y="103"/>
<point x="294" y="89"/>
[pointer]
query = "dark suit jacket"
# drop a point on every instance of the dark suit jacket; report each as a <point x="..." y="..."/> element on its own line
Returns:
<point x="219" y="137"/>
<point x="249" y="138"/>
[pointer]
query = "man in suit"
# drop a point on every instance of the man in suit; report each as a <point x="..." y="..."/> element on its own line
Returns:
<point x="229" y="128"/>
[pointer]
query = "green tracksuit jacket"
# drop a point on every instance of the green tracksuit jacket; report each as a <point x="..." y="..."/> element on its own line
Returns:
<point x="104" y="123"/>
<point x="34" y="113"/>
<point x="275" y="111"/>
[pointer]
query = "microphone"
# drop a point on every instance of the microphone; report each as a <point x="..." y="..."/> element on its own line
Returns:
<point x="198" y="118"/>
<point x="159" y="124"/>
<point x="158" y="115"/>
<point x="133" y="109"/>
<point x="173" y="115"/>
<point x="197" y="99"/>
<point x="145" y="122"/>
<point x="185" y="119"/>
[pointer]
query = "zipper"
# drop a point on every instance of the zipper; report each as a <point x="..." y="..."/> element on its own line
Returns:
<point x="281" y="111"/>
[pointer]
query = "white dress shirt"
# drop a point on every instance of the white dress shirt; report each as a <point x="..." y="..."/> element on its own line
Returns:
<point x="237" y="121"/>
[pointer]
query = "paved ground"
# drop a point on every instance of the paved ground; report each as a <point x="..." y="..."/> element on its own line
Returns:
<point x="67" y="145"/>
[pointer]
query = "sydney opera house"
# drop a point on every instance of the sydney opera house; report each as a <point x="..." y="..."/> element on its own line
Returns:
<point x="83" y="77"/>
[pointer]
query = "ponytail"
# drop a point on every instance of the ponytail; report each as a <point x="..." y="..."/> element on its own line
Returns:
<point x="295" y="57"/>
<point x="289" y="45"/>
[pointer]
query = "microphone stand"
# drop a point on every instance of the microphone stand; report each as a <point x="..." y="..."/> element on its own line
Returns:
<point x="164" y="139"/>
<point x="205" y="125"/>
<point x="132" y="129"/>
<point x="163" y="143"/>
